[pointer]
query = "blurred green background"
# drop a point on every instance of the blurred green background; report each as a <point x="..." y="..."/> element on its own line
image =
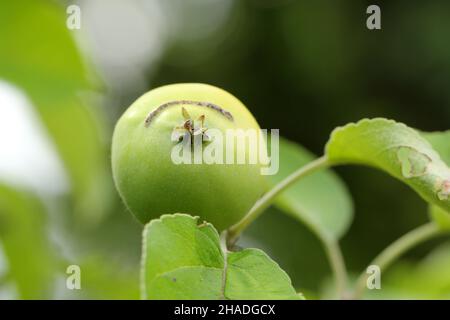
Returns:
<point x="304" y="67"/>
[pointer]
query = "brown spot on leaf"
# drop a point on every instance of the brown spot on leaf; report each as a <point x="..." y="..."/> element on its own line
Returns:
<point x="444" y="190"/>
<point x="412" y="162"/>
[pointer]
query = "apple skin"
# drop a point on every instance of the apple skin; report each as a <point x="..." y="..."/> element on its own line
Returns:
<point x="149" y="182"/>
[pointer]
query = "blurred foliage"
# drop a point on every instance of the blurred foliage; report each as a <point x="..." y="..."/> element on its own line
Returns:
<point x="278" y="234"/>
<point x="32" y="261"/>
<point x="429" y="279"/>
<point x="304" y="67"/>
<point x="321" y="200"/>
<point x="38" y="54"/>
<point x="105" y="280"/>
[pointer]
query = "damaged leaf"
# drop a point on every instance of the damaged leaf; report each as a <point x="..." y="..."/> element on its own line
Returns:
<point x="441" y="143"/>
<point x="396" y="149"/>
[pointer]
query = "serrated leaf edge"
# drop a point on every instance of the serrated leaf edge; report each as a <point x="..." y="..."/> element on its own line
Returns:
<point x="143" y="292"/>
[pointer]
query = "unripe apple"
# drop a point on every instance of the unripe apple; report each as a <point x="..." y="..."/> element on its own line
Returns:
<point x="149" y="181"/>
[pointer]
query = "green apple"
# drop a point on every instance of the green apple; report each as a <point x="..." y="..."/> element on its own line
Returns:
<point x="152" y="184"/>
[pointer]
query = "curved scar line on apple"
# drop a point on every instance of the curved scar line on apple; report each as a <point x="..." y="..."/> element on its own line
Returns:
<point x="209" y="105"/>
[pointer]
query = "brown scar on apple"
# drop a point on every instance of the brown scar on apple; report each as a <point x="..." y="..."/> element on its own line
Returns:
<point x="204" y="104"/>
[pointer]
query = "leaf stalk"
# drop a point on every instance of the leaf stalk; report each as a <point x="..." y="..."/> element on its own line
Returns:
<point x="266" y="200"/>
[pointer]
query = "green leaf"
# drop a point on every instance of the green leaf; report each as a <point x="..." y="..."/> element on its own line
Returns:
<point x="182" y="259"/>
<point x="396" y="149"/>
<point x="38" y="54"/>
<point x="441" y="143"/>
<point x="30" y="256"/>
<point x="320" y="200"/>
<point x="441" y="217"/>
